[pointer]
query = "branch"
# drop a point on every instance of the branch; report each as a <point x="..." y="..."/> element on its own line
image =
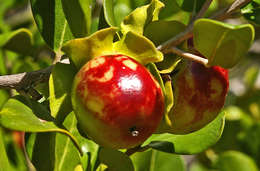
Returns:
<point x="187" y="33"/>
<point x="189" y="56"/>
<point x="24" y="82"/>
<point x="227" y="12"/>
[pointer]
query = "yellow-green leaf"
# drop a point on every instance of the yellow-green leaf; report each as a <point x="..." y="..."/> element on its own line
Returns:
<point x="83" y="49"/>
<point x="140" y="17"/>
<point x="138" y="47"/>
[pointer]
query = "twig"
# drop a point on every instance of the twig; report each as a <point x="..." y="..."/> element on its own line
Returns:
<point x="187" y="33"/>
<point x="24" y="82"/>
<point x="226" y="12"/>
<point x="187" y="55"/>
<point x="131" y="151"/>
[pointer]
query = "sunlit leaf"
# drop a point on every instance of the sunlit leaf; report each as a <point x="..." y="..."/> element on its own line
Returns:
<point x="137" y="20"/>
<point x="223" y="44"/>
<point x="192" y="143"/>
<point x="157" y="161"/>
<point x="82" y="50"/>
<point x="51" y="22"/>
<point x="139" y="48"/>
<point x="60" y="83"/>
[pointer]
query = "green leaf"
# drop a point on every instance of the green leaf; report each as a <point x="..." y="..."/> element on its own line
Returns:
<point x="115" y="160"/>
<point x="250" y="76"/>
<point x="78" y="15"/>
<point x="3" y="69"/>
<point x="60" y="83"/>
<point x="61" y="150"/>
<point x="252" y="12"/>
<point x="67" y="156"/>
<point x="108" y="7"/>
<point x="138" y="47"/>
<point x="19" y="41"/>
<point x="189" y="6"/>
<point x="26" y="115"/>
<point x="234" y="160"/>
<point x="157" y="161"/>
<point x="192" y="143"/>
<point x="115" y="12"/>
<point x="51" y="22"/>
<point x="137" y="20"/>
<point x="3" y="97"/>
<point x="82" y="50"/>
<point x="223" y="44"/>
<point x="168" y="64"/>
<point x="89" y="148"/>
<point x="161" y="31"/>
<point x="4" y="162"/>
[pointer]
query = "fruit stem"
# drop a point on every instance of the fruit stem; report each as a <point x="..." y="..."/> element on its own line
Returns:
<point x="189" y="56"/>
<point x="133" y="150"/>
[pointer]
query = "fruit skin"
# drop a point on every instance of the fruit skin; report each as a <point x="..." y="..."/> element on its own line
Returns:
<point x="199" y="95"/>
<point x="117" y="101"/>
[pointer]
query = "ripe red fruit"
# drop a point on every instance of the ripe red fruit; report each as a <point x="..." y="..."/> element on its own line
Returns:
<point x="199" y="95"/>
<point x="117" y="101"/>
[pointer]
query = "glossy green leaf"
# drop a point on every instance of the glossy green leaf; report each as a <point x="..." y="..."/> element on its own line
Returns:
<point x="67" y="156"/>
<point x="26" y="115"/>
<point x="190" y="6"/>
<point x="82" y="50"/>
<point x="108" y="7"/>
<point x="139" y="48"/>
<point x="61" y="150"/>
<point x="192" y="143"/>
<point x="158" y="161"/>
<point x="40" y="146"/>
<point x="89" y="148"/>
<point x="78" y="15"/>
<point x="137" y="20"/>
<point x="115" y="160"/>
<point x="234" y="160"/>
<point x="19" y="41"/>
<point x="252" y="12"/>
<point x="51" y="22"/>
<point x="223" y="44"/>
<point x="60" y="83"/>
<point x="115" y="11"/>
<point x="161" y="31"/>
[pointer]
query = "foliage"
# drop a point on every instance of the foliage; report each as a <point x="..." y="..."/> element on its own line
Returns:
<point x="79" y="30"/>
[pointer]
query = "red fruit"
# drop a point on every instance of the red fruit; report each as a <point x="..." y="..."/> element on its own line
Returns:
<point x="199" y="95"/>
<point x="18" y="138"/>
<point x="117" y="101"/>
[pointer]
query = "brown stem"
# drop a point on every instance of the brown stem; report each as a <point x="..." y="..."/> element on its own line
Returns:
<point x="24" y="82"/>
<point x="187" y="33"/>
<point x="189" y="56"/>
